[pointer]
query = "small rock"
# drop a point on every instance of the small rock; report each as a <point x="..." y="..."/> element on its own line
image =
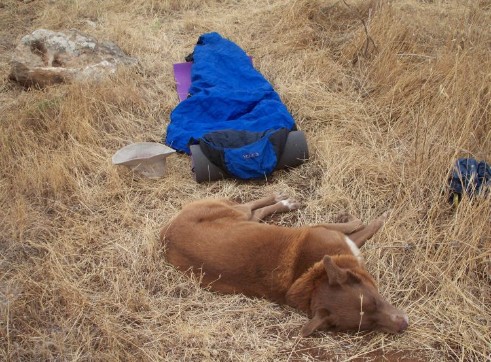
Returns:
<point x="46" y="57"/>
<point x="91" y="23"/>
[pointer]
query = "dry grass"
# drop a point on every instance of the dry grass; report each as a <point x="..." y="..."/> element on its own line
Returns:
<point x="386" y="110"/>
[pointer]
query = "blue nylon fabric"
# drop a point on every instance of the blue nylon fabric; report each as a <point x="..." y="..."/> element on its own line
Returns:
<point x="226" y="93"/>
<point x="252" y="161"/>
<point x="470" y="176"/>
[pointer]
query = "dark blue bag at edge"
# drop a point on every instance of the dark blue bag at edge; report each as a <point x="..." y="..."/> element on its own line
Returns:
<point x="470" y="177"/>
<point x="233" y="112"/>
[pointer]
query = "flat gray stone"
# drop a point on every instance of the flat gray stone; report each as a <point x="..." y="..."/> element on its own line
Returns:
<point x="46" y="57"/>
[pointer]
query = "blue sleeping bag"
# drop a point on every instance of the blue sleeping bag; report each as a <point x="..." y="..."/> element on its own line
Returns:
<point x="232" y="112"/>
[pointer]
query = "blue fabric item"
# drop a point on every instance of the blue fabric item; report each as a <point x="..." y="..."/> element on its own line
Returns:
<point x="470" y="176"/>
<point x="254" y="159"/>
<point x="226" y="93"/>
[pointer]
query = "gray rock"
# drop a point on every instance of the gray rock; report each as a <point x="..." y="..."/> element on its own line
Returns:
<point x="46" y="57"/>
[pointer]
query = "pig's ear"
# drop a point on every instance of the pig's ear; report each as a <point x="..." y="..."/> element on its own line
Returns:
<point x="335" y="274"/>
<point x="320" y="319"/>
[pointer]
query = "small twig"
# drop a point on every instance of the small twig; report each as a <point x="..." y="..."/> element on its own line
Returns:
<point x="409" y="246"/>
<point x="361" y="312"/>
<point x="391" y="246"/>
<point x="415" y="55"/>
<point x="368" y="39"/>
<point x="293" y="348"/>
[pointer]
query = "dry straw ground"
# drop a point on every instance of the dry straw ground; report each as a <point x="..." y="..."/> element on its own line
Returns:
<point x="389" y="94"/>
